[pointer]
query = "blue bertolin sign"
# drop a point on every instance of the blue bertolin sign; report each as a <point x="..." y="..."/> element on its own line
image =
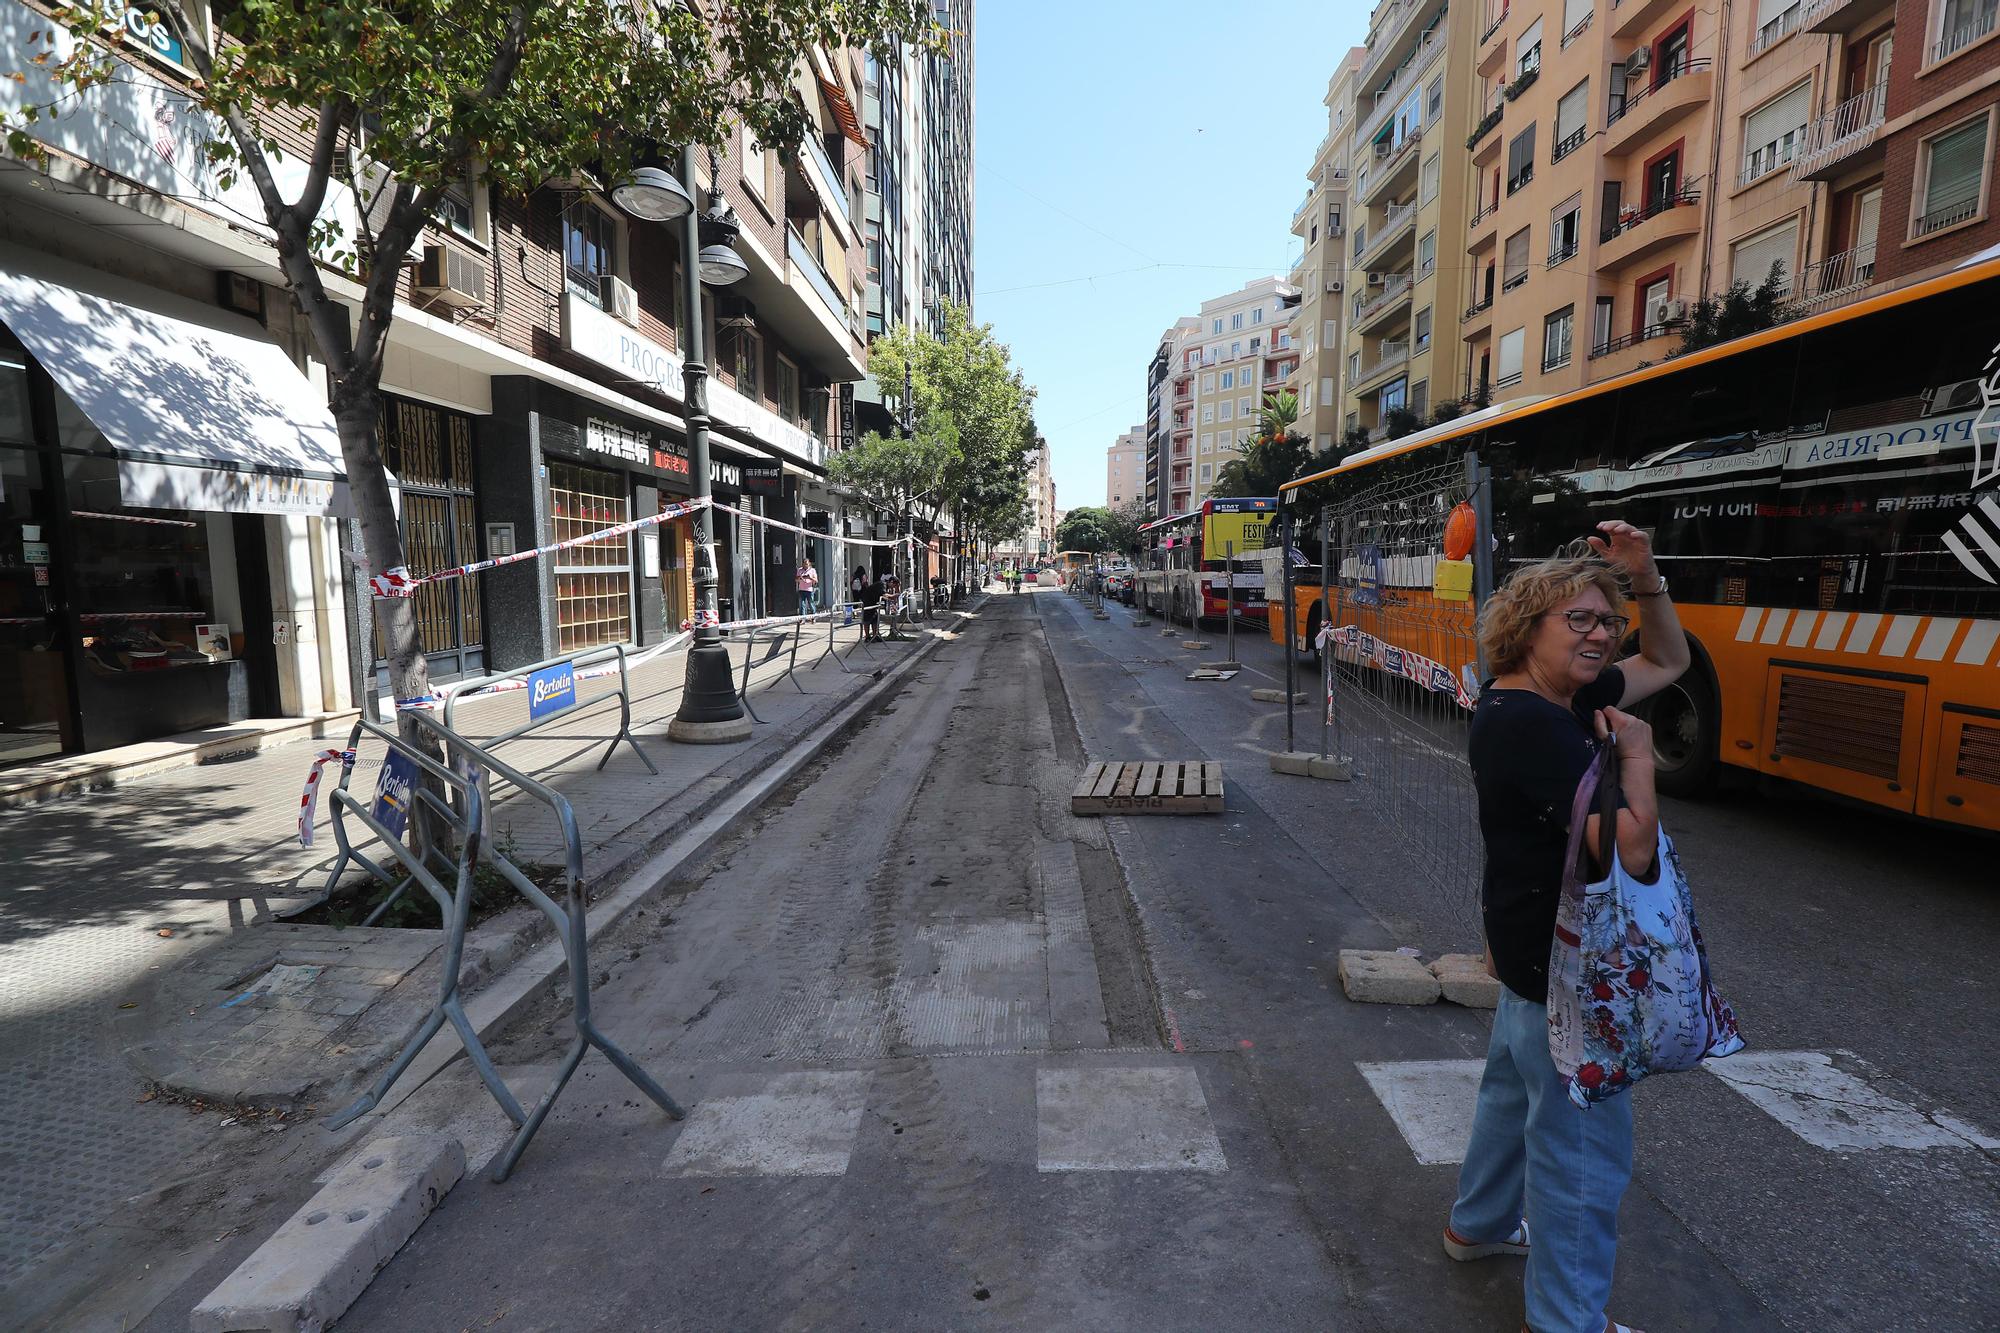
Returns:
<point x="551" y="690"/>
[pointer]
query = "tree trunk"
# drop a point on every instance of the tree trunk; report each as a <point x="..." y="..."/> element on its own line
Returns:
<point x="356" y="413"/>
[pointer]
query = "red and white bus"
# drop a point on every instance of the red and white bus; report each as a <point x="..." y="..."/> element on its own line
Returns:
<point x="1186" y="565"/>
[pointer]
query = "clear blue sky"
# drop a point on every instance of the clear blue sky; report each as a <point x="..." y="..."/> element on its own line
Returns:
<point x="1132" y="160"/>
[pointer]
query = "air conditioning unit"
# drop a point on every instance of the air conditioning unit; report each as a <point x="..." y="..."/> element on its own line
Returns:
<point x="1377" y="279"/>
<point x="1674" y="311"/>
<point x="1956" y="396"/>
<point x="1334" y="285"/>
<point x="1639" y="60"/>
<point x="452" y="277"/>
<point x="618" y="299"/>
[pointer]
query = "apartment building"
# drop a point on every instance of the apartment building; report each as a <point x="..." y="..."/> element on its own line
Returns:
<point x="1414" y="95"/>
<point x="1125" y="469"/>
<point x="1319" y="321"/>
<point x="190" y="572"/>
<point x="1239" y="349"/>
<point x="1170" y="418"/>
<point x="1636" y="156"/>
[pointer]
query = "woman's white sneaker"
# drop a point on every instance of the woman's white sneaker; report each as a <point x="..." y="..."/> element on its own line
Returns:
<point x="1466" y="1251"/>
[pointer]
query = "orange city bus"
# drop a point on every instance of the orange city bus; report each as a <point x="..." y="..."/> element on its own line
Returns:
<point x="1187" y="563"/>
<point x="1824" y="498"/>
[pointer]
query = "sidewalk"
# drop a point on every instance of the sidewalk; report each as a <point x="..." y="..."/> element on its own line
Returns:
<point x="130" y="917"/>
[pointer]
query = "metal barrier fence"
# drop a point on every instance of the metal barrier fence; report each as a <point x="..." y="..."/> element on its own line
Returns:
<point x="450" y="836"/>
<point x="1400" y="661"/>
<point x="580" y="671"/>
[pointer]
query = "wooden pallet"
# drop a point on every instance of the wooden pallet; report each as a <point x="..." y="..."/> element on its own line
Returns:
<point x="1152" y="787"/>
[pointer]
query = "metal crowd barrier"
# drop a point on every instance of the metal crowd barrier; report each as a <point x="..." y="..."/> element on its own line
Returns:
<point x="461" y="820"/>
<point x="453" y="692"/>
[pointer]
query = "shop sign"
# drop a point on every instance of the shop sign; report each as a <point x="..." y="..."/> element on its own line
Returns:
<point x="34" y="553"/>
<point x="615" y="441"/>
<point x="725" y="474"/>
<point x="847" y="416"/>
<point x="764" y="480"/>
<point x="393" y="792"/>
<point x="671" y="460"/>
<point x="551" y="690"/>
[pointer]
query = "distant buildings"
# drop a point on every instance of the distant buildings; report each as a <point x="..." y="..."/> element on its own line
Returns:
<point x="1125" y="469"/>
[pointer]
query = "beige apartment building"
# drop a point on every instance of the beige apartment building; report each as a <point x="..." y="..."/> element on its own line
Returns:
<point x="1407" y="202"/>
<point x="1125" y="469"/>
<point x="1240" y="349"/>
<point x="1319" y="271"/>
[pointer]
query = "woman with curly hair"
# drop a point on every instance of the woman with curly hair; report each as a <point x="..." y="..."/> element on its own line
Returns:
<point x="1550" y="636"/>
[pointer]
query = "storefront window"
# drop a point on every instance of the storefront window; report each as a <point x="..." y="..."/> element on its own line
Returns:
<point x="34" y="690"/>
<point x="594" y="581"/>
<point x="429" y="450"/>
<point x="142" y="577"/>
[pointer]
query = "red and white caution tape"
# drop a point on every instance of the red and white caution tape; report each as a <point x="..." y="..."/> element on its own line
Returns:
<point x="399" y="582"/>
<point x="309" y="801"/>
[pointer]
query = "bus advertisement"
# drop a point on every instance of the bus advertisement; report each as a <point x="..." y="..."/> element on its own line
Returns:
<point x="1824" y="499"/>
<point x="1188" y="559"/>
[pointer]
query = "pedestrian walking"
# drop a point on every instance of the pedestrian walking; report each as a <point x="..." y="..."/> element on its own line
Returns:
<point x="868" y="592"/>
<point x="807" y="579"/>
<point x="1535" y="1158"/>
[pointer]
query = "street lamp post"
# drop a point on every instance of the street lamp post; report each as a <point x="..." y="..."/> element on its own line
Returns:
<point x="710" y="711"/>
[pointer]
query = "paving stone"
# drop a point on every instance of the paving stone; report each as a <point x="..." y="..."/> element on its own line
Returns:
<point x="1462" y="979"/>
<point x="1383" y="976"/>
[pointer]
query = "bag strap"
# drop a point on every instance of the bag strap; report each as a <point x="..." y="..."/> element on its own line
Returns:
<point x="1607" y="802"/>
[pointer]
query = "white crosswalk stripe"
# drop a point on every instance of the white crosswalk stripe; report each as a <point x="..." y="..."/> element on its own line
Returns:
<point x="1145" y="1119"/>
<point x="1431" y="1103"/>
<point x="802" y="1124"/>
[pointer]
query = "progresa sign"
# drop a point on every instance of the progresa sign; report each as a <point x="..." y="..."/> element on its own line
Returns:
<point x="1235" y="525"/>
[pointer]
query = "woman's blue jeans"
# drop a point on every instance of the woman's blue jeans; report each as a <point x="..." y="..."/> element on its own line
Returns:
<point x="1534" y="1154"/>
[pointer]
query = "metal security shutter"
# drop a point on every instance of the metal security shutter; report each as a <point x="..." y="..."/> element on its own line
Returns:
<point x="1509" y="367"/>
<point x="1570" y="111"/>
<point x="1957" y="161"/>
<point x="1772" y="132"/>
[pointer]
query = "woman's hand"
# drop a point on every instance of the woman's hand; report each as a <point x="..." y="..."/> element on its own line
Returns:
<point x="1627" y="547"/>
<point x="1631" y="736"/>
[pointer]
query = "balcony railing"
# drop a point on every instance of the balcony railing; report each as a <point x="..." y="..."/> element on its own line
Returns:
<point x="1395" y="351"/>
<point x="1483" y="212"/>
<point x="1833" y="280"/>
<point x="1776" y="30"/>
<point x="1965" y="33"/>
<point x="1766" y="158"/>
<point x="1389" y="27"/>
<point x="1477" y="308"/>
<point x="1398" y="215"/>
<point x="1394" y="288"/>
<point x="1507" y="381"/>
<point x="1562" y="252"/>
<point x="1950" y="215"/>
<point x="806" y="262"/>
<point x="1577" y="31"/>
<point x="1646" y="334"/>
<point x="1668" y="74"/>
<point x="1524" y="82"/>
<point x="1485" y="126"/>
<point x="829" y="181"/>
<point x="1517" y="279"/>
<point x="1494" y="26"/>
<point x="1687" y="194"/>
<point x="1568" y="144"/>
<point x="1514" y="183"/>
<point x="1848" y="128"/>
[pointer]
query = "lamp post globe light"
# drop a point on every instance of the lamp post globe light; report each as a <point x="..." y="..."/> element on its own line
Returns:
<point x="710" y="711"/>
<point x="653" y="195"/>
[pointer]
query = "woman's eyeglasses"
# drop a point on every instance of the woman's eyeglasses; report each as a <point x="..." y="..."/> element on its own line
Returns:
<point x="1583" y="622"/>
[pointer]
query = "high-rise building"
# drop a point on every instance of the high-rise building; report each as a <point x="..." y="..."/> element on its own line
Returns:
<point x="1407" y="199"/>
<point x="1246" y="351"/>
<point x="945" y="220"/>
<point x="1319" y="322"/>
<point x="1125" y="469"/>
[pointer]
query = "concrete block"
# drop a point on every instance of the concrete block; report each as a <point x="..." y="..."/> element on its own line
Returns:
<point x="1264" y="696"/>
<point x="1383" y="976"/>
<point x="1223" y="666"/>
<point x="1295" y="762"/>
<point x="1100" y="615"/>
<point x="1333" y="768"/>
<point x="1194" y="643"/>
<point x="1140" y="622"/>
<point x="1462" y="979"/>
<point x="315" y="1265"/>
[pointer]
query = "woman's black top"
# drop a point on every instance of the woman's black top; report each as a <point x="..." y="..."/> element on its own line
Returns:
<point x="1528" y="755"/>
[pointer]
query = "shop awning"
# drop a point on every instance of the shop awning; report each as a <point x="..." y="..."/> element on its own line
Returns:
<point x="203" y="410"/>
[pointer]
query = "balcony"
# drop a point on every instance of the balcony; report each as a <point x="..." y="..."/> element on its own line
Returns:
<point x="1491" y="48"/>
<point x="1969" y="30"/>
<point x="1405" y="78"/>
<point x="1845" y="137"/>
<point x="1582" y="26"/>
<point x="1477" y="319"/>
<point x="1483" y="142"/>
<point x="1398" y="163"/>
<point x="1483" y="228"/>
<point x="1947" y="215"/>
<point x="1645" y="231"/>
<point x="1399" y="225"/>
<point x="1373" y="310"/>
<point x="1394" y="355"/>
<point x="806" y="263"/>
<point x="826" y="179"/>
<point x="1680" y="91"/>
<point x="1775" y="30"/>
<point x="1392" y="27"/>
<point x="1613" y="346"/>
<point x="1833" y="281"/>
<point x="1841" y="15"/>
<point x="1305" y="206"/>
<point x="1629" y="17"/>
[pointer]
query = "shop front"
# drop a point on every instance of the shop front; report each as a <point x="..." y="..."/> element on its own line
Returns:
<point x="428" y="449"/>
<point x="590" y="468"/>
<point x="166" y="474"/>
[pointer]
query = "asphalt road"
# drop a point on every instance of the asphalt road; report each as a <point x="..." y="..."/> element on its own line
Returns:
<point x="955" y="1058"/>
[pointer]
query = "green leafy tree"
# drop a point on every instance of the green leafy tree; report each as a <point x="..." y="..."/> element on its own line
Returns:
<point x="1274" y="456"/>
<point x="1125" y="522"/>
<point x="1090" y="528"/>
<point x="399" y="101"/>
<point x="1738" y="311"/>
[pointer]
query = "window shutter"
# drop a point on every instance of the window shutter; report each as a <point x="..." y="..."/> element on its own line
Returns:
<point x="1530" y="39"/>
<point x="1574" y="12"/>
<point x="1771" y="133"/>
<point x="1510" y="354"/>
<point x="1570" y="111"/>
<point x="1751" y="259"/>
<point x="1517" y="256"/>
<point x="1957" y="161"/>
<point x="1770" y="9"/>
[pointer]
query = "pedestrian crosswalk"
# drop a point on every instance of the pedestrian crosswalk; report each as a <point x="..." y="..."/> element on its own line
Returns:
<point x="1821" y="1097"/>
<point x="1133" y="1118"/>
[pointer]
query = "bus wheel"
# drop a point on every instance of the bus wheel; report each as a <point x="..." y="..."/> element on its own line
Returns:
<point x="1685" y="721"/>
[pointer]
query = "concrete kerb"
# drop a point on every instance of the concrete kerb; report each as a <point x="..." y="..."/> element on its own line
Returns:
<point x="639" y="876"/>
